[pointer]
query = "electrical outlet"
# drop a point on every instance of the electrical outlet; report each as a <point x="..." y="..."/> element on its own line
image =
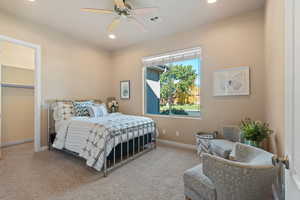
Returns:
<point x="164" y="132"/>
<point x="177" y="133"/>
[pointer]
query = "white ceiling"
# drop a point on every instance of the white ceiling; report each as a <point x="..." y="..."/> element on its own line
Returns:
<point x="176" y="15"/>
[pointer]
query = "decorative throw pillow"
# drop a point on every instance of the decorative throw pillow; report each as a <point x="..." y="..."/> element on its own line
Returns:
<point x="104" y="109"/>
<point x="97" y="110"/>
<point x="63" y="111"/>
<point x="81" y="108"/>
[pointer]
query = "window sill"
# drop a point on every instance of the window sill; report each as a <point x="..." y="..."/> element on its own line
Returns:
<point x="173" y="116"/>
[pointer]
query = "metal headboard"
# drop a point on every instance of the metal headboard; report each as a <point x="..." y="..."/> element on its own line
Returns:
<point x="50" y="103"/>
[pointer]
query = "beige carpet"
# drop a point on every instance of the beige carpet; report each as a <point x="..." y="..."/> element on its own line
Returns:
<point x="25" y="175"/>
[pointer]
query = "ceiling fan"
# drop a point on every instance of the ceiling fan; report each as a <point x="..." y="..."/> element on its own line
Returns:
<point x="124" y="10"/>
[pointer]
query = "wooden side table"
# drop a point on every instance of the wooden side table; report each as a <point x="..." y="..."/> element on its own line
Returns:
<point x="202" y="141"/>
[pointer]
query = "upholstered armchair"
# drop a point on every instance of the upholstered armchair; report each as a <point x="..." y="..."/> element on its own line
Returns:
<point x="249" y="177"/>
<point x="223" y="144"/>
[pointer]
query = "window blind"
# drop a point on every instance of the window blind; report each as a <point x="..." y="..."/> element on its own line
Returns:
<point x="170" y="57"/>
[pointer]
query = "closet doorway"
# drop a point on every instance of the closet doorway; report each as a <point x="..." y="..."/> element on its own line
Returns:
<point x="20" y="90"/>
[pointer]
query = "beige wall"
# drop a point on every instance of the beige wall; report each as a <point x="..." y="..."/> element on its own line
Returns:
<point x="17" y="55"/>
<point x="17" y="105"/>
<point x="14" y="75"/>
<point x="18" y="63"/>
<point x="70" y="68"/>
<point x="233" y="42"/>
<point x="17" y="114"/>
<point x="274" y="78"/>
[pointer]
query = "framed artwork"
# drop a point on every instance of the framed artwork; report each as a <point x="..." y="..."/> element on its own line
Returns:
<point x="125" y="90"/>
<point x="232" y="82"/>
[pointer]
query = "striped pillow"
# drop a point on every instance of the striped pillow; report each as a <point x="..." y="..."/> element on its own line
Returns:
<point x="81" y="108"/>
<point x="63" y="111"/>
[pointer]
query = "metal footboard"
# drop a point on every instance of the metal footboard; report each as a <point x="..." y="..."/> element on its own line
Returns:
<point x="133" y="141"/>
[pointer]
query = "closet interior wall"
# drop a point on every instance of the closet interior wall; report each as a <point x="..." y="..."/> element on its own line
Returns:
<point x="17" y="84"/>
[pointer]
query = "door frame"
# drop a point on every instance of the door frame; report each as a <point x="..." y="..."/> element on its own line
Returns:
<point x="37" y="88"/>
<point x="290" y="66"/>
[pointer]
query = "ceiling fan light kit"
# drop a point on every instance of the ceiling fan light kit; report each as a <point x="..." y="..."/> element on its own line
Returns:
<point x="112" y="36"/>
<point x="123" y="10"/>
<point x="212" y="1"/>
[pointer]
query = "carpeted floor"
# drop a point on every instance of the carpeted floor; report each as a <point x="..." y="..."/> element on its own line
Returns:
<point x="25" y="175"/>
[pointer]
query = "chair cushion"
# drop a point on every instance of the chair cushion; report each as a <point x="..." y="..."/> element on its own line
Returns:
<point x="221" y="147"/>
<point x="203" y="142"/>
<point x="195" y="180"/>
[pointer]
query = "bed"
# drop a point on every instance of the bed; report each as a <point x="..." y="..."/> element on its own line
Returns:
<point x="104" y="142"/>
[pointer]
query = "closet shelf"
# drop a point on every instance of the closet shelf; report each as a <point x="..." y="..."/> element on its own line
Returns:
<point x="17" y="86"/>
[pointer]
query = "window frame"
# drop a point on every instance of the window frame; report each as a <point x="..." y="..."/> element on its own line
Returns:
<point x="144" y="98"/>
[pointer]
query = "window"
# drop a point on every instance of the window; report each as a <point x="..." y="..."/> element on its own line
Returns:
<point x="172" y="83"/>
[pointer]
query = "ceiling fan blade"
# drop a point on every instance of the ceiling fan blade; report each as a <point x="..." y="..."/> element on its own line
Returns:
<point x="120" y="4"/>
<point x="114" y="25"/>
<point x="144" y="11"/>
<point x="102" y="11"/>
<point x="139" y="24"/>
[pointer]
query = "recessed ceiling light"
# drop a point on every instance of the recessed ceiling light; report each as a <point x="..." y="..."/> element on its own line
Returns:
<point x="31" y="0"/>
<point x="212" y="1"/>
<point x="112" y="36"/>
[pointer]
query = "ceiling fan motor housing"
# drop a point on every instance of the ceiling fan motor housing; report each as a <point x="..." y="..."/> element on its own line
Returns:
<point x="123" y="11"/>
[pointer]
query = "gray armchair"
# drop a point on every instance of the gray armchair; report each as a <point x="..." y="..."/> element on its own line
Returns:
<point x="223" y="145"/>
<point x="249" y="177"/>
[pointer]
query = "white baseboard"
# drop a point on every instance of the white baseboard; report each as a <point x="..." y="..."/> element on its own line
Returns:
<point x="177" y="144"/>
<point x="16" y="142"/>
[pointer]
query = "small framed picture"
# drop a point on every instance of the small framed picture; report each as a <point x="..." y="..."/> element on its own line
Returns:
<point x="125" y="90"/>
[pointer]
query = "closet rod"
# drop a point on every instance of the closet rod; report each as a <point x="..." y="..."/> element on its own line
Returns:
<point x="17" y="86"/>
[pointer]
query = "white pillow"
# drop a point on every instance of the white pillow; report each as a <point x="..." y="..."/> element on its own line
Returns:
<point x="97" y="110"/>
<point x="104" y="109"/>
